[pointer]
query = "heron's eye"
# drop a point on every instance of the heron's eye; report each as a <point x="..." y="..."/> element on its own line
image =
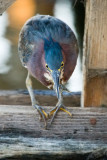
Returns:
<point x="62" y="64"/>
<point x="47" y="66"/>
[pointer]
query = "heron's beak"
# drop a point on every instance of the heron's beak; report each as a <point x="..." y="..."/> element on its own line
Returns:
<point x="55" y="76"/>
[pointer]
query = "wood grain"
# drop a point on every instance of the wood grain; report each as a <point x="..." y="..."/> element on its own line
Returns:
<point x="44" y="97"/>
<point x="96" y="92"/>
<point x="95" y="54"/>
<point x="96" y="34"/>
<point x="23" y="136"/>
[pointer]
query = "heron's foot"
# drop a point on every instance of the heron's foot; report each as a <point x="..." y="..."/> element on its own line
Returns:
<point x="56" y="109"/>
<point x="42" y="113"/>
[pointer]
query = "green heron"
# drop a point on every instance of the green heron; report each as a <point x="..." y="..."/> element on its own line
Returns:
<point x="48" y="49"/>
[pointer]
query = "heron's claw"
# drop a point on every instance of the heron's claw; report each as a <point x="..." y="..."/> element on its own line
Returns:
<point x="42" y="113"/>
<point x="56" y="109"/>
<point x="65" y="110"/>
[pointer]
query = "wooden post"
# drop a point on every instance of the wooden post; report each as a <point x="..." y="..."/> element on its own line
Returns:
<point x="95" y="54"/>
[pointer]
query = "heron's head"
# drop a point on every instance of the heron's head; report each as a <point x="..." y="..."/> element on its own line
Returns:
<point x="54" y="61"/>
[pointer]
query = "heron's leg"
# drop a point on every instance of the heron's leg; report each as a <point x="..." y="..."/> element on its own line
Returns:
<point x="40" y="110"/>
<point x="59" y="106"/>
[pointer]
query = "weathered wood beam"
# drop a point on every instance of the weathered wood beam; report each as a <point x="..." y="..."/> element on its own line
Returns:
<point x="95" y="54"/>
<point x="87" y="123"/>
<point x="44" y="97"/>
<point x="22" y="136"/>
<point x="22" y="148"/>
<point x="4" y="4"/>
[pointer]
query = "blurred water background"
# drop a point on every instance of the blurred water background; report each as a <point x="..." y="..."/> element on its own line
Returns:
<point x="12" y="74"/>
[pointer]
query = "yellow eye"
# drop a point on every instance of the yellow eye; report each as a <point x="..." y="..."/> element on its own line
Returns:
<point x="48" y="68"/>
<point x="62" y="64"/>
